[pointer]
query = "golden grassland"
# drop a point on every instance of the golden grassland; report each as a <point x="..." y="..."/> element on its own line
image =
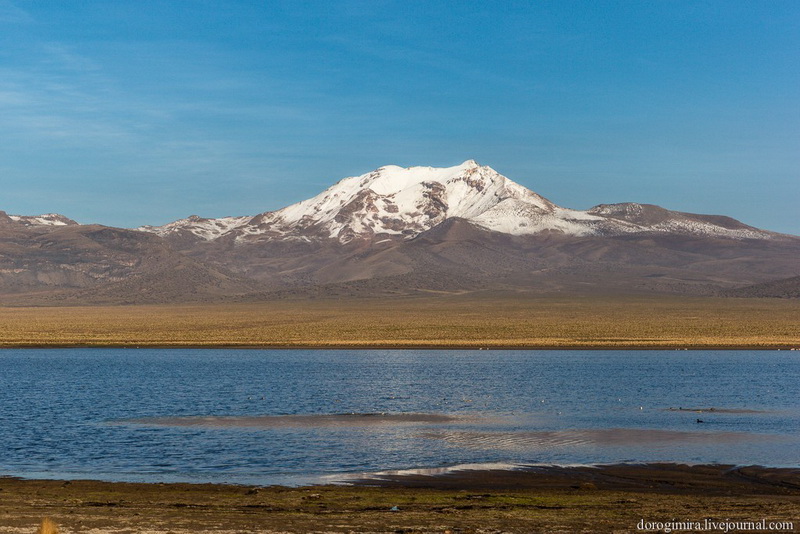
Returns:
<point x="467" y="320"/>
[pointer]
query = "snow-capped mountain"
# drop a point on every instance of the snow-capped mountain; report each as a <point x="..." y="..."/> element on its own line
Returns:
<point x="396" y="231"/>
<point x="395" y="201"/>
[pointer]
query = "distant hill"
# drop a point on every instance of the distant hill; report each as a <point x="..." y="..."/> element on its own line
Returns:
<point x="71" y="263"/>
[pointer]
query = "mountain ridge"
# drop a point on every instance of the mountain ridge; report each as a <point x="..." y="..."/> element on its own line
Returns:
<point x="394" y="231"/>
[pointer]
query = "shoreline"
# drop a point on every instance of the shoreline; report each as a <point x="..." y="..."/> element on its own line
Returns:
<point x="605" y="498"/>
<point x="656" y="476"/>
<point x="402" y="346"/>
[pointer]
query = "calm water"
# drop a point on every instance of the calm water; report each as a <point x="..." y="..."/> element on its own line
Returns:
<point x="67" y="413"/>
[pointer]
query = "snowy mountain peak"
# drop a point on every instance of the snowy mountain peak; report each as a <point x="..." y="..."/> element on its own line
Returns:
<point x="406" y="201"/>
<point x="392" y="179"/>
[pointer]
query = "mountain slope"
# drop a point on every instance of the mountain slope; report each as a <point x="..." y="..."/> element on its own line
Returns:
<point x="49" y="263"/>
<point x="784" y="288"/>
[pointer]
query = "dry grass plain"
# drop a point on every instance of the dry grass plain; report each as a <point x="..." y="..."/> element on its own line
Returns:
<point x="436" y="321"/>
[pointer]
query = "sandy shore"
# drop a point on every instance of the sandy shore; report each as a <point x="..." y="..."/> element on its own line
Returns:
<point x="536" y="499"/>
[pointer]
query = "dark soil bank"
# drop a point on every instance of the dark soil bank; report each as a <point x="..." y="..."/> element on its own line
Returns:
<point x="538" y="499"/>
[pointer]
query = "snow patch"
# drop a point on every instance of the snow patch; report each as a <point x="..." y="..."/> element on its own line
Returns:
<point x="207" y="229"/>
<point x="47" y="219"/>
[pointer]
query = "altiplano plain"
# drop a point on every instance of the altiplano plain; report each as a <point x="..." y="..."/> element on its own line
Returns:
<point x="446" y="321"/>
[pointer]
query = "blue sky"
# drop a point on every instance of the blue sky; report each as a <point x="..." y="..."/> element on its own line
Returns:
<point x="143" y="112"/>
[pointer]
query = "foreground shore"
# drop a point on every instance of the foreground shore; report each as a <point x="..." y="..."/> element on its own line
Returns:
<point x="542" y="499"/>
<point x="520" y="321"/>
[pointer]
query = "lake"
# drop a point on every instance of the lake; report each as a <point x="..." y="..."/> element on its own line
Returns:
<point x="302" y="416"/>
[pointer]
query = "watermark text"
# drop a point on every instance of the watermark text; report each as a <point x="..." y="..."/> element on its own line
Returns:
<point x="711" y="525"/>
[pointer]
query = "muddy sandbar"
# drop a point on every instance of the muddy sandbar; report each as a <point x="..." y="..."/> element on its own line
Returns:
<point x="305" y="420"/>
<point x="576" y="437"/>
